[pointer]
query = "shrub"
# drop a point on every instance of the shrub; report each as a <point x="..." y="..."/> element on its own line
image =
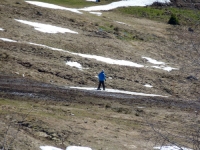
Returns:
<point x="173" y="20"/>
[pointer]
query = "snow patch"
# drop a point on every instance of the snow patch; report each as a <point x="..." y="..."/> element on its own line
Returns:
<point x="166" y="68"/>
<point x="68" y="148"/>
<point x="110" y="60"/>
<point x="55" y="49"/>
<point x="117" y="91"/>
<point x="171" y="148"/>
<point x="160" y="63"/>
<point x="77" y="148"/>
<point x="148" y="85"/>
<point x="1" y="29"/>
<point x="140" y="107"/>
<point x="153" y="61"/>
<point x="52" y="6"/>
<point x="98" y="58"/>
<point x="123" y="3"/>
<point x="96" y="13"/>
<point x="49" y="148"/>
<point x="123" y="23"/>
<point x="7" y="40"/>
<point x="74" y="64"/>
<point x="46" y="28"/>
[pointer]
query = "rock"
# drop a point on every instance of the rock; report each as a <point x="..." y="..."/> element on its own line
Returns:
<point x="39" y="13"/>
<point x="191" y="78"/>
<point x="42" y="134"/>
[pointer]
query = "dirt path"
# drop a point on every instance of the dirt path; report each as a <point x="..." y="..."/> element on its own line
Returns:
<point x="27" y="88"/>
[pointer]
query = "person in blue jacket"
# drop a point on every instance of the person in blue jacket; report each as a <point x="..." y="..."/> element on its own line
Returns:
<point x="102" y="78"/>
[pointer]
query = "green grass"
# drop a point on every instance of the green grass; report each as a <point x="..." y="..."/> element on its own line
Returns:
<point x="185" y="16"/>
<point x="77" y="3"/>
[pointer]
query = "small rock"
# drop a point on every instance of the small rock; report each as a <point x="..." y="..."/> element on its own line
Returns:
<point x="39" y="13"/>
<point x="42" y="134"/>
<point x="190" y="29"/>
<point x="191" y="78"/>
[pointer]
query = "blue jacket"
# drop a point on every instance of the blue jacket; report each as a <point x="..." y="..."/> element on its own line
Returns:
<point x="102" y="76"/>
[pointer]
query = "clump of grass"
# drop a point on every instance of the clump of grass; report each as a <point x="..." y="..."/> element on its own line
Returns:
<point x="122" y="110"/>
<point x="173" y="20"/>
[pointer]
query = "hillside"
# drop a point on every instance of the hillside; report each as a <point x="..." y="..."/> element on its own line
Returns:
<point x="38" y="70"/>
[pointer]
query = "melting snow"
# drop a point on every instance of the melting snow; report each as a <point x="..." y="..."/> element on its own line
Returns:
<point x="165" y="68"/>
<point x="98" y="58"/>
<point x="1" y="29"/>
<point x="121" y="22"/>
<point x="46" y="28"/>
<point x="171" y="148"/>
<point x="68" y="148"/>
<point x="118" y="91"/>
<point x="110" y="60"/>
<point x="153" y="61"/>
<point x="7" y="40"/>
<point x="122" y="4"/>
<point x="162" y="64"/>
<point x="52" y="6"/>
<point x="49" y="148"/>
<point x="148" y="85"/>
<point x="74" y="64"/>
<point x="77" y="148"/>
<point x="96" y="13"/>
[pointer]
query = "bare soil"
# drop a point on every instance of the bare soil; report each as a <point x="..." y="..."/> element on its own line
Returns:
<point x="45" y="114"/>
<point x="38" y="108"/>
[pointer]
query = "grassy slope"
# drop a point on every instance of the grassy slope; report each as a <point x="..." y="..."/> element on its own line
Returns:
<point x="97" y="122"/>
<point x="185" y="16"/>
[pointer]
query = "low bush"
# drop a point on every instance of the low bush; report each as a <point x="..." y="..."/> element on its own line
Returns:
<point x="173" y="20"/>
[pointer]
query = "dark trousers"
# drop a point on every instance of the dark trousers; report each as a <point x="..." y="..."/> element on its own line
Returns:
<point x="101" y="83"/>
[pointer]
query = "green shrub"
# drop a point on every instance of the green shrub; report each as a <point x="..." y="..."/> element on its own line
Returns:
<point x="173" y="20"/>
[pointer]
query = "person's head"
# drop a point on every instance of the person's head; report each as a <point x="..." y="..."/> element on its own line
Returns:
<point x="102" y="70"/>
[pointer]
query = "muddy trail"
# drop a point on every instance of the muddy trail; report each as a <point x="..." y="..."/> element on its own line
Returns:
<point x="16" y="87"/>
